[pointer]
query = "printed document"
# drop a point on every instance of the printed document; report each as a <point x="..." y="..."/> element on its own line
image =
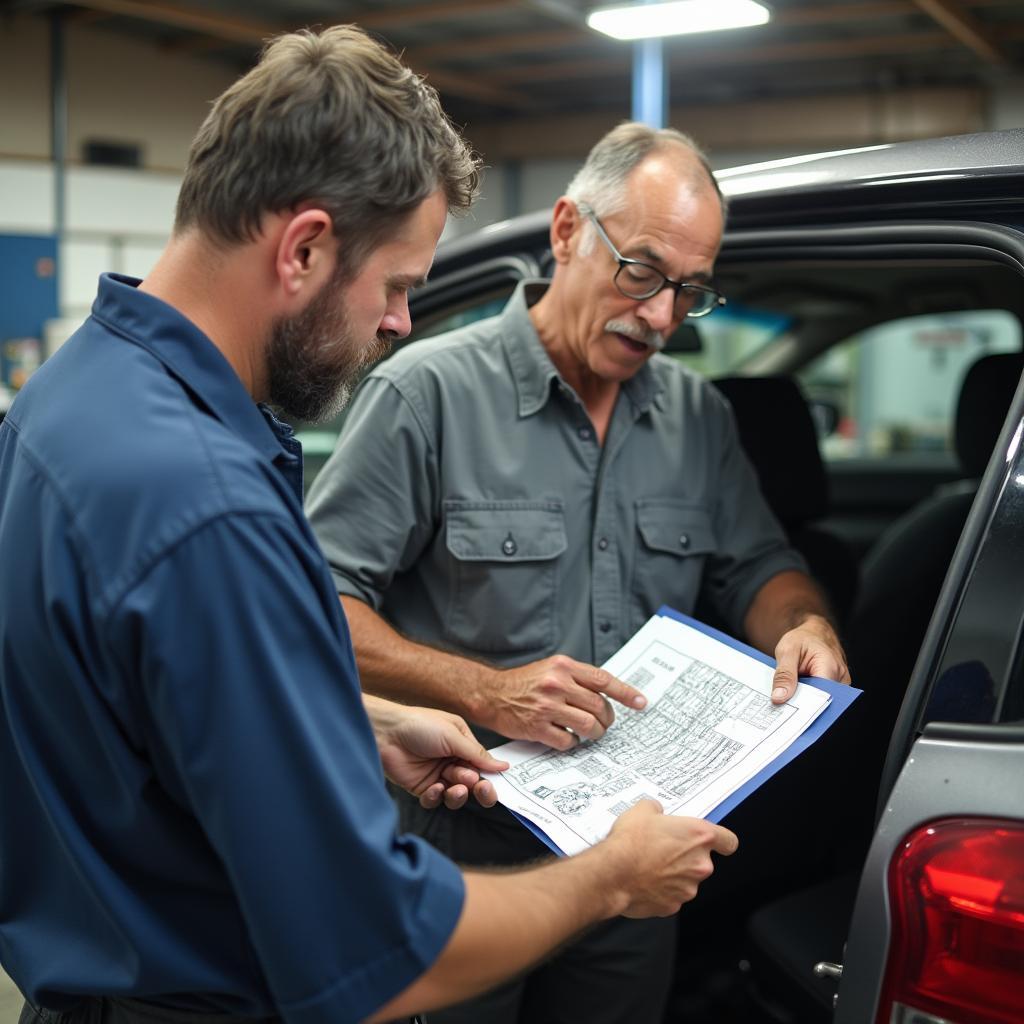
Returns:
<point x="708" y="728"/>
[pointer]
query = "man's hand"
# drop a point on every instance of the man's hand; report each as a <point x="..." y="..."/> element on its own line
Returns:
<point x="543" y="700"/>
<point x="432" y="754"/>
<point x="811" y="649"/>
<point x="667" y="857"/>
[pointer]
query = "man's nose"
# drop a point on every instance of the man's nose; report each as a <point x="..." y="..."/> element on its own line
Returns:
<point x="659" y="310"/>
<point x="397" y="321"/>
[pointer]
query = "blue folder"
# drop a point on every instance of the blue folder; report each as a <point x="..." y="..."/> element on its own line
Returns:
<point x="842" y="697"/>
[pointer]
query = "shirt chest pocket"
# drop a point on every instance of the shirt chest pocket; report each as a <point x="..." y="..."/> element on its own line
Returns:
<point x="673" y="540"/>
<point x="504" y="578"/>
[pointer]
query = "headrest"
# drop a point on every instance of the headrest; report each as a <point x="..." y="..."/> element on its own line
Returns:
<point x="985" y="397"/>
<point x="777" y="433"/>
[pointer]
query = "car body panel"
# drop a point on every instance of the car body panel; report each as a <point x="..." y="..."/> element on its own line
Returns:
<point x="949" y="774"/>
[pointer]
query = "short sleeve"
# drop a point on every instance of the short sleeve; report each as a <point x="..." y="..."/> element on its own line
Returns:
<point x="257" y="726"/>
<point x="373" y="504"/>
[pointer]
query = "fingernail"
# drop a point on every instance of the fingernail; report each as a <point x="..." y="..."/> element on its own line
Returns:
<point x="639" y="702"/>
<point x="778" y="692"/>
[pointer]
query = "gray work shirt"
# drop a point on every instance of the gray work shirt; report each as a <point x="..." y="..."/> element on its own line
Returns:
<point x="470" y="503"/>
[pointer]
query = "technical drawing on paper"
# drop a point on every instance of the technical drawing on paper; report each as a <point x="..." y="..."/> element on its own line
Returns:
<point x="707" y="729"/>
<point x="677" y="745"/>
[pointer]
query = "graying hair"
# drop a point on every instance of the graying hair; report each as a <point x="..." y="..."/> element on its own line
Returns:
<point x="601" y="181"/>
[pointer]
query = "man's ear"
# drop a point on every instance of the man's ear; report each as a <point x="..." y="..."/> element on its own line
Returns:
<point x="565" y="225"/>
<point x="306" y="252"/>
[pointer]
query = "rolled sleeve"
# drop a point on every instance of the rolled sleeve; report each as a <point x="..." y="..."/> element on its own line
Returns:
<point x="258" y="728"/>
<point x="383" y="468"/>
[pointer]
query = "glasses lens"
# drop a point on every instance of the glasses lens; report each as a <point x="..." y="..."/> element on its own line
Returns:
<point x="639" y="281"/>
<point x="692" y="301"/>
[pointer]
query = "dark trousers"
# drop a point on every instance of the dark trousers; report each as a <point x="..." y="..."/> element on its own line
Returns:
<point x="618" y="973"/>
<point x="98" y="1010"/>
<point x="103" y="1010"/>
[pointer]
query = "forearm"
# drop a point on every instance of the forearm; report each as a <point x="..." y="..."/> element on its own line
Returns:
<point x="787" y="601"/>
<point x="407" y="672"/>
<point x="510" y="921"/>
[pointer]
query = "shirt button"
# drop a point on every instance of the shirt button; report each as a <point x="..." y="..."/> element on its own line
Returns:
<point x="509" y="546"/>
<point x="604" y="626"/>
<point x="585" y="433"/>
<point x="684" y="540"/>
<point x="603" y="543"/>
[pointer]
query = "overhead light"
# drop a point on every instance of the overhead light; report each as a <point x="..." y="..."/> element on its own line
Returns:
<point x="646" y="21"/>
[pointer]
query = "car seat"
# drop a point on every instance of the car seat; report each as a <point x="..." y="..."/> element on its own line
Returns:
<point x="777" y="433"/>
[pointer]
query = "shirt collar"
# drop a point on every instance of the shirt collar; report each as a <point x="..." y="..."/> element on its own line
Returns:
<point x="193" y="359"/>
<point x="532" y="368"/>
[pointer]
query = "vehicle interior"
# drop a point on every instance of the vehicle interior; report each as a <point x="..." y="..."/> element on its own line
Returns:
<point x="870" y="375"/>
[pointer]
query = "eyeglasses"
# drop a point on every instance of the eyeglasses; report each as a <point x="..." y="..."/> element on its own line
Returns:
<point x="638" y="280"/>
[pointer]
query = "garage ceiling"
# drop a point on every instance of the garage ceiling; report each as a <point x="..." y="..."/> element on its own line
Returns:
<point x="532" y="59"/>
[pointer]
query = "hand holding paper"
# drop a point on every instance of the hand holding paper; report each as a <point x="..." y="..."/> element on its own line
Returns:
<point x="709" y="736"/>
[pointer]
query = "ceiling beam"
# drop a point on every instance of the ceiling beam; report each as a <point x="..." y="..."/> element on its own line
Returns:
<point x="917" y="42"/>
<point x="494" y="45"/>
<point x="254" y="33"/>
<point x="400" y="17"/>
<point x="564" y="39"/>
<point x="965" y="28"/>
<point x="470" y="87"/>
<point x="234" y="30"/>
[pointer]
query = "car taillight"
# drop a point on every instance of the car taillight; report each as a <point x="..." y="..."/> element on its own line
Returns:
<point x="956" y="889"/>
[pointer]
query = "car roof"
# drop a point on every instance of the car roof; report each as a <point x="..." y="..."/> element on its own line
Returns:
<point x="947" y="177"/>
<point x="984" y="154"/>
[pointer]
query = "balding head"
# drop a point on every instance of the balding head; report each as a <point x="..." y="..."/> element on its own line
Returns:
<point x="601" y="181"/>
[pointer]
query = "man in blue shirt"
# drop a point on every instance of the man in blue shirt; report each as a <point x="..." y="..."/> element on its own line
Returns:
<point x="194" y="825"/>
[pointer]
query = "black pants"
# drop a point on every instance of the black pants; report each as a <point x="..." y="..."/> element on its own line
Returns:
<point x="99" y="1010"/>
<point x="618" y="973"/>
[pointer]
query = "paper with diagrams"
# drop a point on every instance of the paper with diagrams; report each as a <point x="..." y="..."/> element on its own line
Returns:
<point x="708" y="728"/>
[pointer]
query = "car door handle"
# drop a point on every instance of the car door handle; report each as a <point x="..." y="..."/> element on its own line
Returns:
<point x="825" y="969"/>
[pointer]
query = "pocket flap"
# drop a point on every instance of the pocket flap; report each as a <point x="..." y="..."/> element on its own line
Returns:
<point x="505" y="531"/>
<point x="675" y="528"/>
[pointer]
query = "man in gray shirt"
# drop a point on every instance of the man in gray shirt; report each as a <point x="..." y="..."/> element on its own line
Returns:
<point x="508" y="503"/>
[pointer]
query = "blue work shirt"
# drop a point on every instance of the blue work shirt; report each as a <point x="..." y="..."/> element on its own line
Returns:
<point x="192" y="807"/>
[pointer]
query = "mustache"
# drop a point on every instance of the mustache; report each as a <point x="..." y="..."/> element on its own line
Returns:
<point x="650" y="338"/>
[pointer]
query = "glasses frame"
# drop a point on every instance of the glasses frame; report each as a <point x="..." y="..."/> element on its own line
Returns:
<point x="678" y="287"/>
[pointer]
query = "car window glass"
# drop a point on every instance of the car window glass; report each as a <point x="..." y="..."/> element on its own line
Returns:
<point x="729" y="335"/>
<point x="478" y="308"/>
<point x="892" y="389"/>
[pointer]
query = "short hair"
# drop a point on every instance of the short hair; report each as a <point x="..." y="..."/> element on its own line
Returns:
<point x="329" y="117"/>
<point x="601" y="181"/>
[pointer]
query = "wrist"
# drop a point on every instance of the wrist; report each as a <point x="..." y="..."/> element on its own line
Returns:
<point x="480" y="696"/>
<point x="819" y="622"/>
<point x="614" y="861"/>
<point x="384" y="715"/>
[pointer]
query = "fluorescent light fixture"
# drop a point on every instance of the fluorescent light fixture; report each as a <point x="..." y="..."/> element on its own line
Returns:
<point x="646" y="21"/>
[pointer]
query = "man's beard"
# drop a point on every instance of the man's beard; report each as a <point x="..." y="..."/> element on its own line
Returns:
<point x="313" y="359"/>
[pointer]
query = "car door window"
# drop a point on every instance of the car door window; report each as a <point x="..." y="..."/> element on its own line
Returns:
<point x="890" y="392"/>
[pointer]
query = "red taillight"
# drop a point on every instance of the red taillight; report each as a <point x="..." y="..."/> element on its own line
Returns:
<point x="957" y="952"/>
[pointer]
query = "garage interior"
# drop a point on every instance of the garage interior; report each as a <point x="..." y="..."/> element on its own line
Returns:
<point x="99" y="100"/>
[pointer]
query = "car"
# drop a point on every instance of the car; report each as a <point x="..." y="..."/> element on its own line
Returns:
<point x="872" y="348"/>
